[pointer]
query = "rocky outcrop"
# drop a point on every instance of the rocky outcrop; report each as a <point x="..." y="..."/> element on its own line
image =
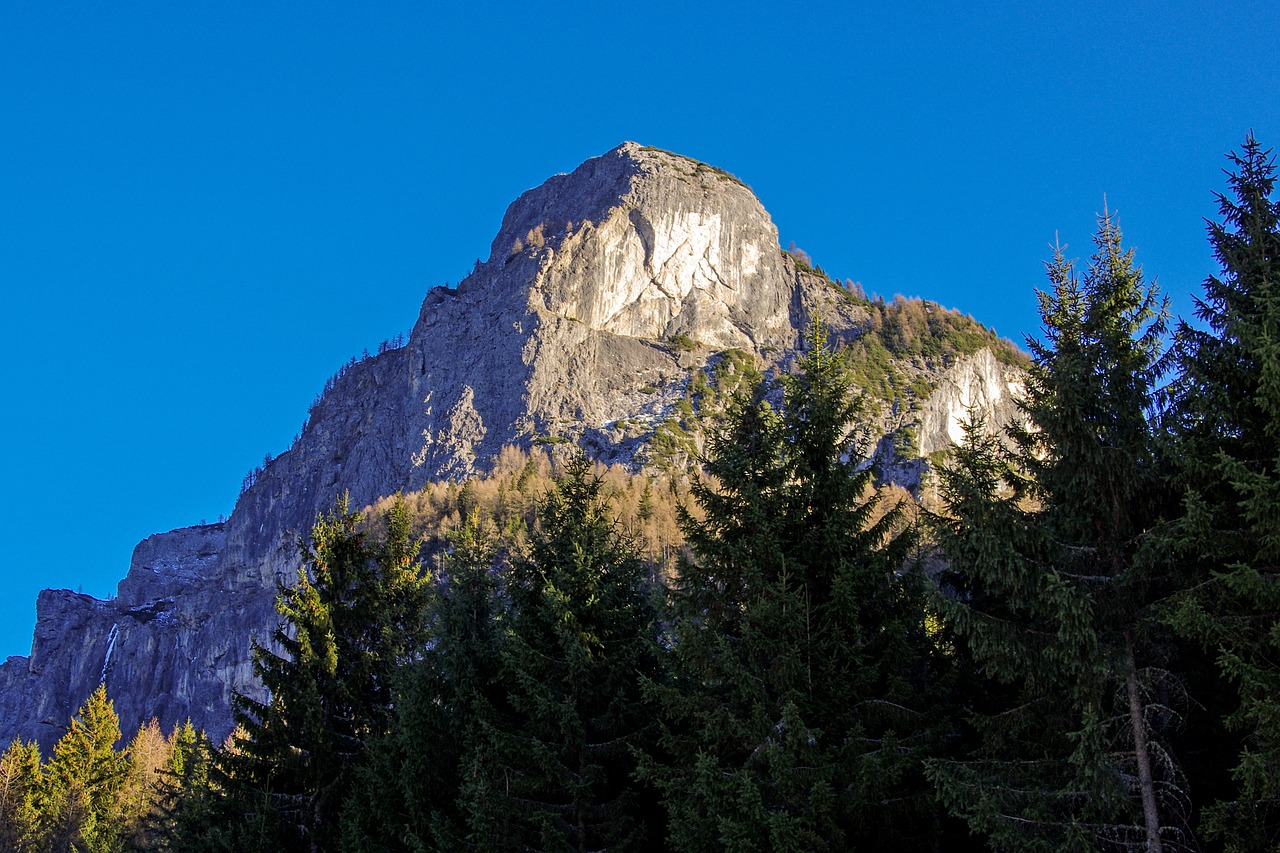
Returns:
<point x="173" y="643"/>
<point x="567" y="330"/>
<point x="979" y="385"/>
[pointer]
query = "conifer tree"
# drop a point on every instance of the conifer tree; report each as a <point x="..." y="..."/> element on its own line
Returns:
<point x="84" y="781"/>
<point x="187" y="806"/>
<point x="187" y="766"/>
<point x="21" y="800"/>
<point x="408" y="795"/>
<point x="551" y="768"/>
<point x="794" y="717"/>
<point x="1225" y="432"/>
<point x="1056" y="584"/>
<point x="354" y="616"/>
<point x="146" y="757"/>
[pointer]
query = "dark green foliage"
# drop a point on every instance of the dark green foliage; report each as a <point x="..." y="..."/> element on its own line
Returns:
<point x="1109" y="615"/>
<point x="682" y="343"/>
<point x="1056" y="583"/>
<point x="799" y="664"/>
<point x="518" y="728"/>
<point x="185" y="800"/>
<point x="408" y="794"/>
<point x="1225" y="434"/>
<point x="355" y="615"/>
<point x="551" y="767"/>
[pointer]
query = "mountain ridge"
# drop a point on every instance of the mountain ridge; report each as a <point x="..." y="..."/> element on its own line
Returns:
<point x="608" y="291"/>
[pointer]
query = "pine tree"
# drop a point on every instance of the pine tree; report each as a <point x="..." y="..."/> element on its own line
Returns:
<point x="1225" y="427"/>
<point x="794" y="717"/>
<point x="355" y="615"/>
<point x="1056" y="582"/>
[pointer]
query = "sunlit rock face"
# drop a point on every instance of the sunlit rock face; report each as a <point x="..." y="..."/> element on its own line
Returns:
<point x="978" y="385"/>
<point x="564" y="331"/>
<point x="673" y="247"/>
<point x="558" y="333"/>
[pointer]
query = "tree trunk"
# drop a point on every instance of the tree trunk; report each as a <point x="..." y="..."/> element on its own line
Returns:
<point x="1145" y="781"/>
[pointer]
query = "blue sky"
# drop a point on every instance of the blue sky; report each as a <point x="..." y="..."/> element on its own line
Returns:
<point x="205" y="209"/>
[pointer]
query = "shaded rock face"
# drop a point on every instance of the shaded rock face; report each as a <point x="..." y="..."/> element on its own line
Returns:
<point x="174" y="643"/>
<point x="563" y="332"/>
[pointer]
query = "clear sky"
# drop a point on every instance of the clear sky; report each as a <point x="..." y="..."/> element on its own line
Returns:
<point x="206" y="208"/>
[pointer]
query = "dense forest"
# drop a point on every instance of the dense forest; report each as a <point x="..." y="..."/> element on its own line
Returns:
<point x="1078" y="649"/>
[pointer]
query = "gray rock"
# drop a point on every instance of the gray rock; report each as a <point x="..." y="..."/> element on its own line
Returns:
<point x="562" y="332"/>
<point x="977" y="385"/>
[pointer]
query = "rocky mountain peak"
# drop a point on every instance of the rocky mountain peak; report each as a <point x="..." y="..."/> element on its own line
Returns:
<point x="614" y="299"/>
<point x="643" y="243"/>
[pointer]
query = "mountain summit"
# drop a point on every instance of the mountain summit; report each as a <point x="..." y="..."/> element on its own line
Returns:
<point x="606" y="291"/>
<point x="646" y="244"/>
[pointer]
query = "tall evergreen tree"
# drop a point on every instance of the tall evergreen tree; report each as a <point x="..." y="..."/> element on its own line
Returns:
<point x="408" y="795"/>
<point x="84" y="781"/>
<point x="1225" y="428"/>
<point x="355" y="615"/>
<point x="186" y="805"/>
<point x="552" y="767"/>
<point x="801" y="666"/>
<point x="1057" y="585"/>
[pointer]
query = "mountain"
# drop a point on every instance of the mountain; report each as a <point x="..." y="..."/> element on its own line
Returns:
<point x="607" y="293"/>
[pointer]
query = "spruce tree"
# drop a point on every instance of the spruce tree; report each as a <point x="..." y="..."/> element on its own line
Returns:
<point x="551" y="766"/>
<point x="355" y="615"/>
<point x="458" y="687"/>
<point x="1056" y="585"/>
<point x="21" y="797"/>
<point x="84" y="780"/>
<point x="1225" y="435"/>
<point x="795" y="713"/>
<point x="408" y="794"/>
<point x="187" y="805"/>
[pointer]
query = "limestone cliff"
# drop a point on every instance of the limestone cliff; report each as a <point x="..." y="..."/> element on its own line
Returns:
<point x="569" y="330"/>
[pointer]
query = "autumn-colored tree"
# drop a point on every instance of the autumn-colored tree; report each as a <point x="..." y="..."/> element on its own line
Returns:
<point x="21" y="797"/>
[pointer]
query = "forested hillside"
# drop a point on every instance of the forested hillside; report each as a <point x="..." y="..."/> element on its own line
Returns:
<point x="1076" y="650"/>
